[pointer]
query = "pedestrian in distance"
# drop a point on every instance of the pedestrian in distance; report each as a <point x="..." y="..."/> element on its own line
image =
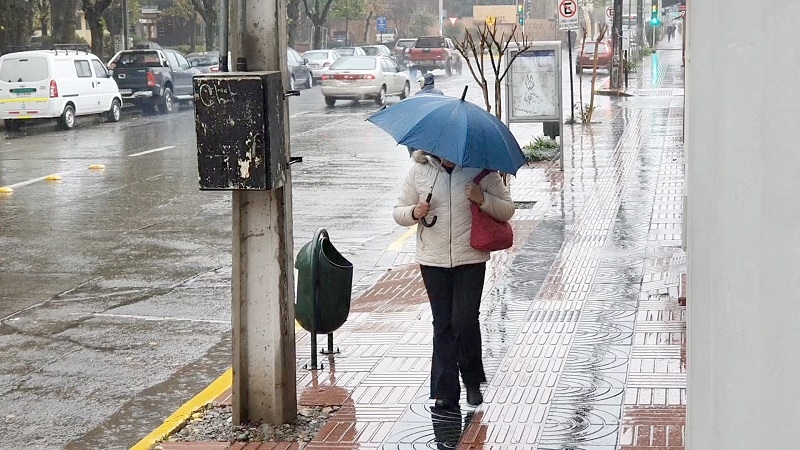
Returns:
<point x="452" y="270"/>
<point x="426" y="84"/>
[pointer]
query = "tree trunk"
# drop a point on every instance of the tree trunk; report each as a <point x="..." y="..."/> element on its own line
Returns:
<point x="346" y="31"/>
<point x="96" y="27"/>
<point x="317" y="42"/>
<point x="498" y="99"/>
<point x="366" y="26"/>
<point x="293" y="13"/>
<point x="211" y="31"/>
<point x="63" y="14"/>
<point x="193" y="39"/>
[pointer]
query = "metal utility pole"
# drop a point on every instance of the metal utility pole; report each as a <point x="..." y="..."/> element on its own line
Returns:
<point x="125" y="25"/>
<point x="262" y="282"/>
<point x="441" y="17"/>
<point x="616" y="44"/>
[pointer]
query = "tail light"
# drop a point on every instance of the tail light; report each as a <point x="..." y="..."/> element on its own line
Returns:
<point x="53" y="89"/>
<point x="352" y="77"/>
<point x="324" y="78"/>
<point x="369" y="77"/>
<point x="151" y="79"/>
<point x="214" y="68"/>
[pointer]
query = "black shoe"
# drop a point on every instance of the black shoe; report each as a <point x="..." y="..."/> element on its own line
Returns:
<point x="474" y="396"/>
<point x="445" y="404"/>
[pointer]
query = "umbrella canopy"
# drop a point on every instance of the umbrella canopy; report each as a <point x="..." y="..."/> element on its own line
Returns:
<point x="452" y="129"/>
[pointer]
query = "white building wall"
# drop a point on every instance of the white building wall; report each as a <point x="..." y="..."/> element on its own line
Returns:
<point x="743" y="103"/>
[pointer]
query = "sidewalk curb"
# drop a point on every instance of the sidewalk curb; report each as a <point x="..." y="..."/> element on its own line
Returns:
<point x="613" y="93"/>
<point x="184" y="413"/>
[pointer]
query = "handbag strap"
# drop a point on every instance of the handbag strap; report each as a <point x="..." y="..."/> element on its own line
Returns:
<point x="477" y="179"/>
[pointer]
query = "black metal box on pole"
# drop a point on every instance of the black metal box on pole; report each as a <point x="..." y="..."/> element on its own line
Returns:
<point x="239" y="122"/>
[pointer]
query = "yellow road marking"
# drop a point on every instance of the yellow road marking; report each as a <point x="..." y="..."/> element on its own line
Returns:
<point x="397" y="245"/>
<point x="177" y="418"/>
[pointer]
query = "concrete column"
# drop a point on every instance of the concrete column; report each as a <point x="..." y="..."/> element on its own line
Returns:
<point x="744" y="225"/>
<point x="264" y="385"/>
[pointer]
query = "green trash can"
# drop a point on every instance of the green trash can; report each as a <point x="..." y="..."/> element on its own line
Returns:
<point x="324" y="289"/>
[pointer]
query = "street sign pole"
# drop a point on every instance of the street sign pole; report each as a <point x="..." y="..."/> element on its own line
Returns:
<point x="568" y="21"/>
<point x="571" y="82"/>
<point x="262" y="279"/>
<point x="616" y="43"/>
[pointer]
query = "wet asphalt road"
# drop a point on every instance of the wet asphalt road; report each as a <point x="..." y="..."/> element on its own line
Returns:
<point x="114" y="284"/>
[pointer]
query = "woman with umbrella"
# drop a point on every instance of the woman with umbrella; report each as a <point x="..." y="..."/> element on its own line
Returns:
<point x="464" y="147"/>
<point x="453" y="271"/>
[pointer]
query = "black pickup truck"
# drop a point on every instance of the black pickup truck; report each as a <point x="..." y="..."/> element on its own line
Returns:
<point x="153" y="78"/>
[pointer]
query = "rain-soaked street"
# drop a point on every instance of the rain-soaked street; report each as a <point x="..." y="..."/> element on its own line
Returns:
<point x="115" y="299"/>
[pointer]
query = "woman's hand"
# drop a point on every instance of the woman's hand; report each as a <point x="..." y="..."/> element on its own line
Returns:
<point x="475" y="194"/>
<point x="421" y="210"/>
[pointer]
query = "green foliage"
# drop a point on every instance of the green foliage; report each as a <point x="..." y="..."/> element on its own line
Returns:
<point x="541" y="148"/>
<point x="349" y="9"/>
<point x="420" y="22"/>
<point x="647" y="51"/>
<point x="455" y="32"/>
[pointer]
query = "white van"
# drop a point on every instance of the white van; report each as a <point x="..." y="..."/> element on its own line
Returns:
<point x="55" y="84"/>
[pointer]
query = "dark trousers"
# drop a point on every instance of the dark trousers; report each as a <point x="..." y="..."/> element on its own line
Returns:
<point x="455" y="297"/>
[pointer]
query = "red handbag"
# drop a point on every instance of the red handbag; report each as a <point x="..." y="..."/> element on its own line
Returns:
<point x="488" y="234"/>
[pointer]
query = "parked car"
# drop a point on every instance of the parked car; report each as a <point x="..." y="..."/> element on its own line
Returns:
<point x="350" y="51"/>
<point x="601" y="52"/>
<point x="299" y="71"/>
<point x="340" y="39"/>
<point x="401" y="50"/>
<point x="319" y="61"/>
<point x="435" y="52"/>
<point x="205" y="62"/>
<point x="364" y="77"/>
<point x="153" y="78"/>
<point x="55" y="84"/>
<point x="377" y="50"/>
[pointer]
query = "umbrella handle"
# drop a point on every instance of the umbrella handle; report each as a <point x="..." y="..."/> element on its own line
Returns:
<point x="424" y="220"/>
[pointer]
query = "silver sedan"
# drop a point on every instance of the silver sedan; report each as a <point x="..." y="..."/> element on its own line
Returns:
<point x="320" y="60"/>
<point x="364" y="77"/>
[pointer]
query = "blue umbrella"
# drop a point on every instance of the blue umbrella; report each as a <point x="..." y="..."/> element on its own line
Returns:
<point x="452" y="129"/>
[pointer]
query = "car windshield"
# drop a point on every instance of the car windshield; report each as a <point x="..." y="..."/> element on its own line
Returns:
<point x="354" y="63"/>
<point x="346" y="51"/>
<point x="315" y="56"/>
<point x="136" y="59"/>
<point x="431" y="42"/>
<point x="372" y="51"/>
<point x="405" y="42"/>
<point x="24" y="69"/>
<point x="203" y="61"/>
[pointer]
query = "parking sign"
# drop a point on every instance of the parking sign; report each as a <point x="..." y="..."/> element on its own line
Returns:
<point x="568" y="15"/>
<point x="380" y="24"/>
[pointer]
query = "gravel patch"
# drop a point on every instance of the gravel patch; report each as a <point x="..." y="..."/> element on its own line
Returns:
<point x="214" y="423"/>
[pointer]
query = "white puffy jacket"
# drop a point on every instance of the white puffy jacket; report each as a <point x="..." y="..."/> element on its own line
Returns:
<point x="446" y="244"/>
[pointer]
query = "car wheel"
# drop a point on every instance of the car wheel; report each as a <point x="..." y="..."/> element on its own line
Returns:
<point x="11" y="124"/>
<point x="380" y="100"/>
<point x="291" y="83"/>
<point x="67" y="119"/>
<point x="166" y="103"/>
<point x="310" y="82"/>
<point x="406" y="91"/>
<point x="459" y="67"/>
<point x="114" y="114"/>
<point x="448" y="69"/>
<point x="330" y="101"/>
<point x="578" y="69"/>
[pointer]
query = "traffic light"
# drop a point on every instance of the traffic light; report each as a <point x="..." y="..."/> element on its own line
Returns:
<point x="521" y="14"/>
<point x="654" y="20"/>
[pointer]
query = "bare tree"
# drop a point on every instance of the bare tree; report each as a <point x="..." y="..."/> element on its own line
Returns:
<point x="318" y="15"/>
<point x="497" y="48"/>
<point x="93" y="12"/>
<point x="401" y="13"/>
<point x="600" y="37"/>
<point x="293" y="13"/>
